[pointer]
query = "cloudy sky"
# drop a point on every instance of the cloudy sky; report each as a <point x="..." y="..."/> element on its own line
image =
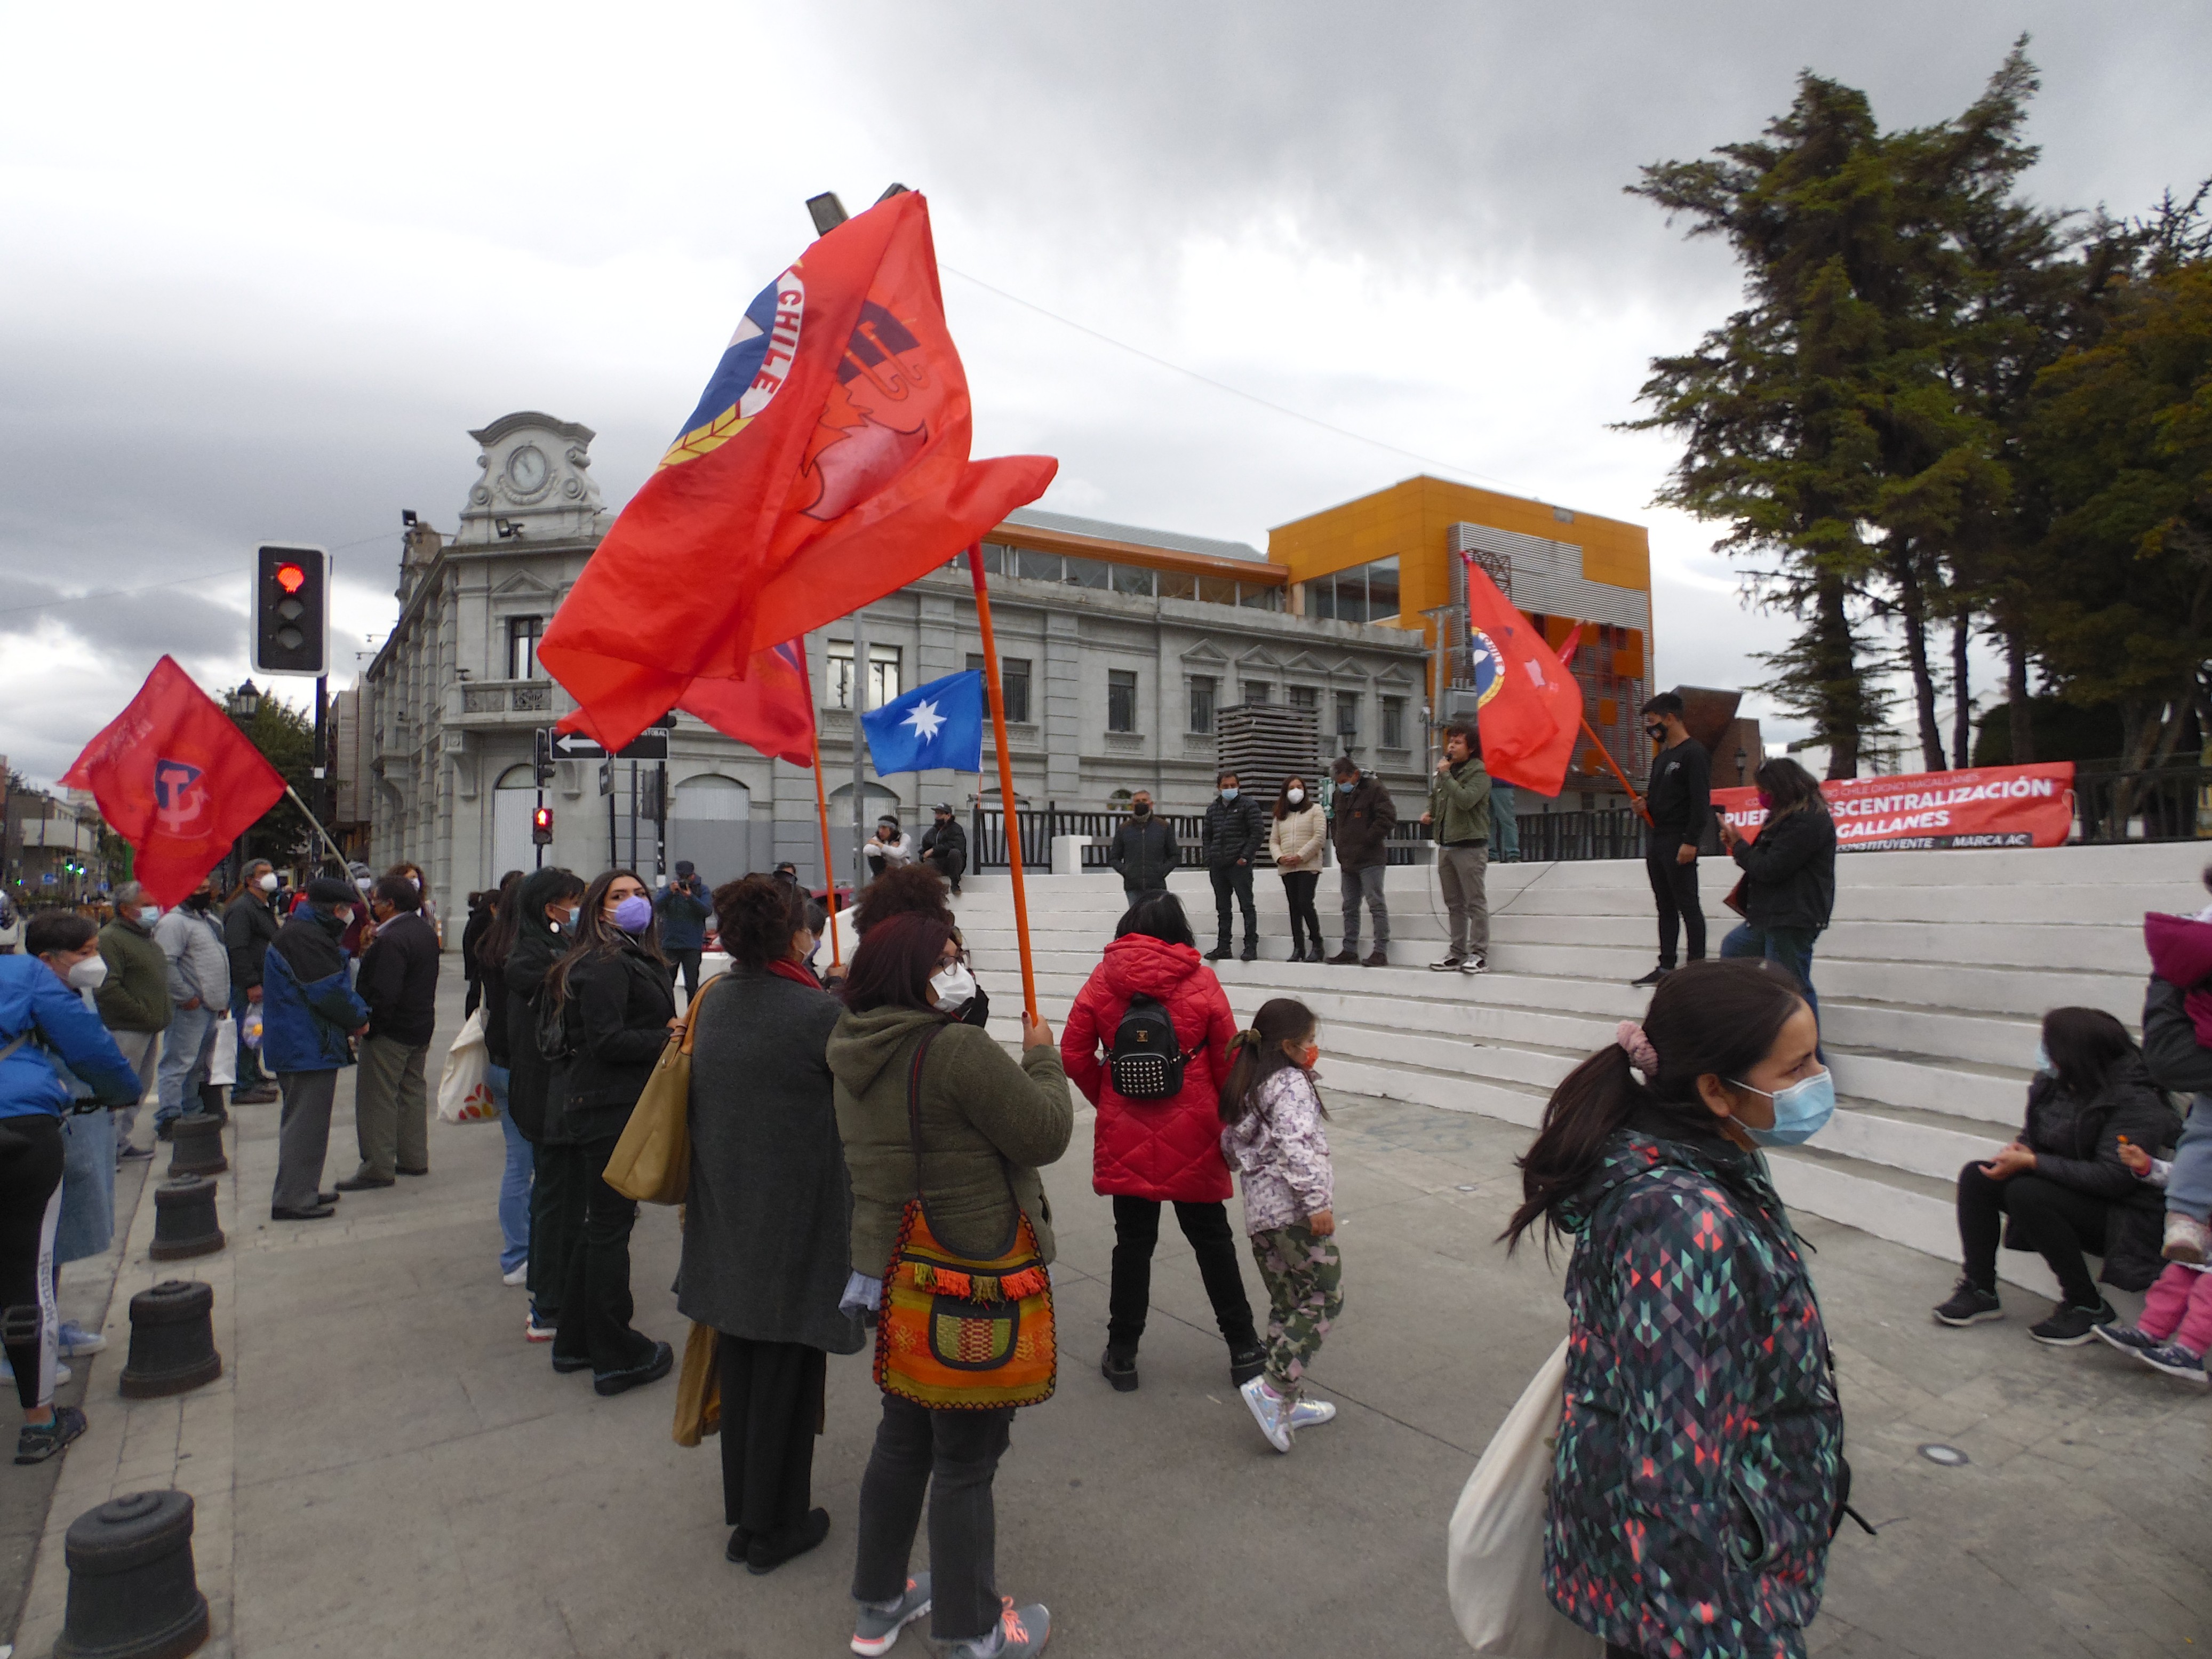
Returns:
<point x="262" y="268"/>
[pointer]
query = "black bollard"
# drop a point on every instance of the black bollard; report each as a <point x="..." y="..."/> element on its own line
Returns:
<point x="172" y="1340"/>
<point x="132" y="1591"/>
<point x="184" y="1219"/>
<point x="196" y="1146"/>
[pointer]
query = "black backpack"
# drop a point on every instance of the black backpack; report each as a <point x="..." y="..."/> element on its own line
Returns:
<point x="1145" y="1061"/>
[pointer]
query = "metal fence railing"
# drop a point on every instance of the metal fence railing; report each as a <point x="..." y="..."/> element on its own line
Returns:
<point x="1545" y="836"/>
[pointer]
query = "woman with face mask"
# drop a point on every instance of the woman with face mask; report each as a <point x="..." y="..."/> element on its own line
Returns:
<point x="530" y="936"/>
<point x="1789" y="873"/>
<point x="1698" y="1473"/>
<point x="249" y="928"/>
<point x="310" y="1016"/>
<point x="1296" y="837"/>
<point x="615" y="1005"/>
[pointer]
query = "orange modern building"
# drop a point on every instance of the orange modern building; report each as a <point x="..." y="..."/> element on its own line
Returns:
<point x="1394" y="554"/>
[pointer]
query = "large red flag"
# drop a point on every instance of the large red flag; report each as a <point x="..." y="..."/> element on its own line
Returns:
<point x="1528" y="706"/>
<point x="825" y="466"/>
<point x="771" y="708"/>
<point x="177" y="780"/>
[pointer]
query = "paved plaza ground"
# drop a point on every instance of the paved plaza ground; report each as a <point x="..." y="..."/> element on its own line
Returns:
<point x="385" y="1468"/>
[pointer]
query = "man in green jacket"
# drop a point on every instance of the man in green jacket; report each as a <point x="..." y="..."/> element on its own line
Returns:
<point x="134" y="1000"/>
<point x="1459" y="816"/>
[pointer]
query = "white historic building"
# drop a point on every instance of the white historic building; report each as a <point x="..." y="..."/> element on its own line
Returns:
<point x="1118" y="646"/>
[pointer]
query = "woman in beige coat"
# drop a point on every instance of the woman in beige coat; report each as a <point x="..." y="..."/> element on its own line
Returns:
<point x="1295" y="840"/>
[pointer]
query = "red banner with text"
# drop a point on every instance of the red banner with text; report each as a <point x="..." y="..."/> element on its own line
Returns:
<point x="1987" y="806"/>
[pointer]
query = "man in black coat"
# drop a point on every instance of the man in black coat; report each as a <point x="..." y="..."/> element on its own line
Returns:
<point x="945" y="846"/>
<point x="1679" y="798"/>
<point x="1235" y="830"/>
<point x="249" y="926"/>
<point x="398" y="981"/>
<point x="1143" y="851"/>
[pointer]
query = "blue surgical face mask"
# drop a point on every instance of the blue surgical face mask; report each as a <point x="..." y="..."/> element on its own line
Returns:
<point x="1800" y="1111"/>
<point x="1230" y="793"/>
<point x="2043" y="1058"/>
<point x="575" y="913"/>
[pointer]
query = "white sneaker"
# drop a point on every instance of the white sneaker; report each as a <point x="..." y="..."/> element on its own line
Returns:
<point x="1308" y="1413"/>
<point x="1474" y="963"/>
<point x="1270" y="1411"/>
<point x="520" y="1276"/>
<point x="73" y="1339"/>
<point x="2187" y="1239"/>
<point x="62" y="1373"/>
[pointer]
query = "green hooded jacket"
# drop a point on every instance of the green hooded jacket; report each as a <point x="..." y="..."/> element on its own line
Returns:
<point x="1459" y="803"/>
<point x="136" y="996"/>
<point x="985" y="1120"/>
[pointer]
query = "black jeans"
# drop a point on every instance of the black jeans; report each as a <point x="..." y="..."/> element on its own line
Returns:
<point x="595" y="1300"/>
<point x="685" y="957"/>
<point x="2057" y="1222"/>
<point x="1234" y="879"/>
<point x="771" y="1394"/>
<point x="556" y="1221"/>
<point x="1675" y="886"/>
<point x="951" y="866"/>
<point x="30" y="1176"/>
<point x="1299" y="887"/>
<point x="1213" y="1240"/>
<point x="953" y="1456"/>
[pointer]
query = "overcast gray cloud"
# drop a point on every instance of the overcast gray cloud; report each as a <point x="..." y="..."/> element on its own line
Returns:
<point x="260" y="273"/>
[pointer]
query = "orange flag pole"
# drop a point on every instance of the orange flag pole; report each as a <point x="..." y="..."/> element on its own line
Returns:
<point x="1006" y="778"/>
<point x="1598" y="742"/>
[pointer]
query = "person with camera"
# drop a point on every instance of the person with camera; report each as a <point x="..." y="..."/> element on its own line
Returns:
<point x="683" y="906"/>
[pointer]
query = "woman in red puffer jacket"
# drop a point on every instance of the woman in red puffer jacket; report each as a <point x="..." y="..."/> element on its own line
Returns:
<point x="1148" y="1152"/>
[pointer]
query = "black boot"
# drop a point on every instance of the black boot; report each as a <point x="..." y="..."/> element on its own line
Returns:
<point x="1220" y="952"/>
<point x="1251" y="950"/>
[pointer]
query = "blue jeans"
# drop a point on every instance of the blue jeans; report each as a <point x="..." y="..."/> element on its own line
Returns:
<point x="249" y="1059"/>
<point x="184" y="1049"/>
<point x="513" y="1183"/>
<point x="2188" y="1186"/>
<point x="1786" y="947"/>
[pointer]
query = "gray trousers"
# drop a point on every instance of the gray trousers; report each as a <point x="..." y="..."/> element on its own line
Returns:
<point x="1459" y="873"/>
<point x="142" y="1049"/>
<point x="391" y="1109"/>
<point x="1364" y="883"/>
<point x="303" y="1135"/>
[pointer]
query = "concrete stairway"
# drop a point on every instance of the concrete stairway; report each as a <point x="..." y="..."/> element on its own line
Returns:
<point x="1933" y="978"/>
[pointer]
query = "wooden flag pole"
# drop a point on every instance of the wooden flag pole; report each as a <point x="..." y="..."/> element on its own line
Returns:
<point x="1012" y="817"/>
<point x="307" y="812"/>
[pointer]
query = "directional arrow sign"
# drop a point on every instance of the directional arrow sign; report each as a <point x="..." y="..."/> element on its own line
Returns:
<point x="651" y="744"/>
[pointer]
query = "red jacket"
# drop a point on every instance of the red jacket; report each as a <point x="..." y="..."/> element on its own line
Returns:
<point x="1157" y="1149"/>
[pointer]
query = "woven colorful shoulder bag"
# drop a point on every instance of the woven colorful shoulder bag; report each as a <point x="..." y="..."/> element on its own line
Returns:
<point x="953" y="1333"/>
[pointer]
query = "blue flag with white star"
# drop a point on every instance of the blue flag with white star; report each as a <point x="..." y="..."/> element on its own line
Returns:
<point x="934" y="728"/>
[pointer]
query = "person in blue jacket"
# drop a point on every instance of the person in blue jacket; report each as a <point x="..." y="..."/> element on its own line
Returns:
<point x="43" y="1021"/>
<point x="310" y="1015"/>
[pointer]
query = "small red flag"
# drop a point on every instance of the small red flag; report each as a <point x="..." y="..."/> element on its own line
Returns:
<point x="825" y="466"/>
<point x="1528" y="706"/>
<point x="177" y="780"/>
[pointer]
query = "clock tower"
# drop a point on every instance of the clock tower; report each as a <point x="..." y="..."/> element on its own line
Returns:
<point x="537" y="484"/>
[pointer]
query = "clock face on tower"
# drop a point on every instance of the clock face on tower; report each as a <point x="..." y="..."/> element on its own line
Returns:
<point x="528" y="470"/>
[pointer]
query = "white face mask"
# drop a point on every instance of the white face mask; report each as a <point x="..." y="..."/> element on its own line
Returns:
<point x="363" y="882"/>
<point x="149" y="914"/>
<point x="268" y="882"/>
<point x="89" y="974"/>
<point x="954" y="985"/>
<point x="1295" y="796"/>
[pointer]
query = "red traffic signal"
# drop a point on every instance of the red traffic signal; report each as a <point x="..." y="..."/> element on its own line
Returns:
<point x="541" y="827"/>
<point x="291" y="578"/>
<point x="291" y="611"/>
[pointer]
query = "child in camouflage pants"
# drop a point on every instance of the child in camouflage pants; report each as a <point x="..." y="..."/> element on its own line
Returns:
<point x="1275" y="1139"/>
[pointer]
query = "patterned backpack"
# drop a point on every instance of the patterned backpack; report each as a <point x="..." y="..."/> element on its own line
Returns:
<point x="1146" y="1060"/>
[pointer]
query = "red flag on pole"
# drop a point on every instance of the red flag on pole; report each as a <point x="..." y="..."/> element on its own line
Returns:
<point x="1528" y="705"/>
<point x="825" y="466"/>
<point x="177" y="780"/>
<point x="771" y="707"/>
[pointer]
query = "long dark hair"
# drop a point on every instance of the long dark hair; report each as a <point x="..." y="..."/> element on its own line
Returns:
<point x="596" y="936"/>
<point x="892" y="966"/>
<point x="1283" y="807"/>
<point x="1788" y="788"/>
<point x="524" y="907"/>
<point x="1156" y="915"/>
<point x="1256" y="1054"/>
<point x="1707" y="1018"/>
<point x="756" y="917"/>
<point x="2086" y="1046"/>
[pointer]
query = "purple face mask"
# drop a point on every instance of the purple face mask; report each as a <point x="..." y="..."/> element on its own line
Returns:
<point x="634" y="913"/>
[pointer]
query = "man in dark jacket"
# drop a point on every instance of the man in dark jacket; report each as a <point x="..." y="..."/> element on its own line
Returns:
<point x="249" y="925"/>
<point x="1143" y="851"/>
<point x="1360" y="828"/>
<point x="310" y="1015"/>
<point x="944" y="846"/>
<point x="398" y="981"/>
<point x="683" y="909"/>
<point x="1235" y="830"/>
<point x="134" y="999"/>
<point x="1679" y="798"/>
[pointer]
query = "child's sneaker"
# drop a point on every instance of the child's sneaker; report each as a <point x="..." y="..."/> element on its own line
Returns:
<point x="1270" y="1411"/>
<point x="2187" y="1239"/>
<point x="878" y="1627"/>
<point x="2169" y="1357"/>
<point x="1311" y="1413"/>
<point x="36" y="1442"/>
<point x="2127" y="1338"/>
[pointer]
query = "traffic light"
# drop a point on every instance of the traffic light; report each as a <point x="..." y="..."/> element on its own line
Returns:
<point x="541" y="827"/>
<point x="291" y="611"/>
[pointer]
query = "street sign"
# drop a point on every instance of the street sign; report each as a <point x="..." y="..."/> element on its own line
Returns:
<point x="606" y="777"/>
<point x="651" y="744"/>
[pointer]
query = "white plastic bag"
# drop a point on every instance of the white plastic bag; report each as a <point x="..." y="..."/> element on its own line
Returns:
<point x="1494" y="1552"/>
<point x="222" y="1051"/>
<point x="465" y="1093"/>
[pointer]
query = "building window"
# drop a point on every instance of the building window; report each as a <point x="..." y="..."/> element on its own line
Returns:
<point x="522" y="636"/>
<point x="1013" y="682"/>
<point x="1133" y="579"/>
<point x="1037" y="566"/>
<point x="1088" y="573"/>
<point x="1347" y="716"/>
<point x="1305" y="696"/>
<point x="884" y="680"/>
<point x="1393" y="722"/>
<point x="1203" y="687"/>
<point x="1366" y="592"/>
<point x="1260" y="596"/>
<point x="1121" y="699"/>
<point x="1259" y="692"/>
